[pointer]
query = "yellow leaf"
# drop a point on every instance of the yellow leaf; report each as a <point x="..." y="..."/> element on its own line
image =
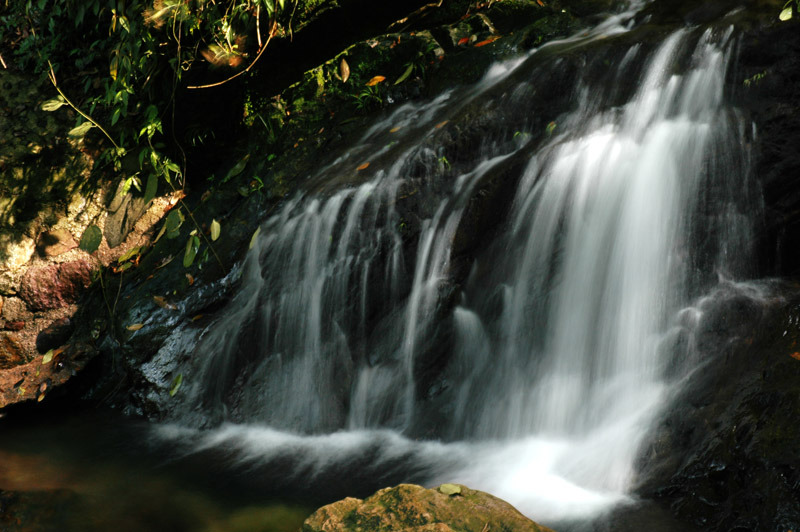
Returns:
<point x="47" y="357"/>
<point x="254" y="238"/>
<point x="135" y="326"/>
<point x="344" y="70"/>
<point x="395" y="129"/>
<point x="198" y="317"/>
<point x="215" y="229"/>
<point x="375" y="80"/>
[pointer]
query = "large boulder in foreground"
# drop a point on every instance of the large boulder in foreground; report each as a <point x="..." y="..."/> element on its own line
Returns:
<point x="450" y="507"/>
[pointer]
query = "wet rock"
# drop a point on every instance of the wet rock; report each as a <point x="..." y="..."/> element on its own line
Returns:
<point x="724" y="456"/>
<point x="55" y="285"/>
<point x="54" y="243"/>
<point x="55" y="335"/>
<point x="412" y="507"/>
<point x="10" y="352"/>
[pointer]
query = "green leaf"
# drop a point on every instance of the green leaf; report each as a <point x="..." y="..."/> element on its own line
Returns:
<point x="405" y="75"/>
<point x="550" y="128"/>
<point x="54" y="104"/>
<point x="786" y="14"/>
<point x="450" y="489"/>
<point x="151" y="188"/>
<point x="80" y="131"/>
<point x="134" y="251"/>
<point x="91" y="239"/>
<point x="215" y="228"/>
<point x="115" y="116"/>
<point x="48" y="357"/>
<point x="174" y="220"/>
<point x="237" y="169"/>
<point x="176" y="385"/>
<point x="192" y="245"/>
<point x="254" y="238"/>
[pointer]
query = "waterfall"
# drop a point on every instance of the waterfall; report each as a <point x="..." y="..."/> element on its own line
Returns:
<point x="544" y="342"/>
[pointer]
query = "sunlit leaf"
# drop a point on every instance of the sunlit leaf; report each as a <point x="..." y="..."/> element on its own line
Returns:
<point x="131" y="253"/>
<point x="254" y="238"/>
<point x="463" y="40"/>
<point x="176" y="385"/>
<point x="405" y="75"/>
<point x="135" y="326"/>
<point x="215" y="229"/>
<point x="450" y="489"/>
<point x="54" y="104"/>
<point x="486" y="41"/>
<point x="91" y="239"/>
<point x="395" y="129"/>
<point x="48" y="357"/>
<point x="344" y="70"/>
<point x="192" y="246"/>
<point x="376" y="80"/>
<point x="786" y="14"/>
<point x="362" y="166"/>
<point x="79" y="131"/>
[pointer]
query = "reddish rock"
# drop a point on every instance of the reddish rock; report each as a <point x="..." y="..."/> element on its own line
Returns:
<point x="55" y="285"/>
<point x="55" y="335"/>
<point x="14" y="325"/>
<point x="10" y="352"/>
<point x="54" y="243"/>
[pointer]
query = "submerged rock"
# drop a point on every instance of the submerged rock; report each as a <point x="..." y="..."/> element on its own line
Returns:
<point x="410" y="507"/>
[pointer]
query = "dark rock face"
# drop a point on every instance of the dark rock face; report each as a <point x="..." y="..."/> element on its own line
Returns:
<point x="725" y="456"/>
<point x="56" y="334"/>
<point x="55" y="285"/>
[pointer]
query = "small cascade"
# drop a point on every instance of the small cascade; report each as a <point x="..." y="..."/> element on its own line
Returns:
<point x="360" y="322"/>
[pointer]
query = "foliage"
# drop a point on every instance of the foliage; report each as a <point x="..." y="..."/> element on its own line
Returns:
<point x="123" y="61"/>
<point x="786" y="13"/>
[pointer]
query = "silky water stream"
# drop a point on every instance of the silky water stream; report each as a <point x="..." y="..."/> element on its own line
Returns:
<point x="548" y="366"/>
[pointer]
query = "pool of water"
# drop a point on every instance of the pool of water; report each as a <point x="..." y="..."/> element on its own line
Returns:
<point x="95" y="472"/>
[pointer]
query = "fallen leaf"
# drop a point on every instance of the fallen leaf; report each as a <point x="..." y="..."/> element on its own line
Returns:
<point x="490" y="40"/>
<point x="47" y="357"/>
<point x="463" y="40"/>
<point x="344" y="70"/>
<point x="362" y="166"/>
<point x="165" y="261"/>
<point x="190" y="279"/>
<point x="163" y="303"/>
<point x="198" y="317"/>
<point x="440" y="125"/>
<point x="135" y="326"/>
<point x="376" y="80"/>
<point x="395" y="129"/>
<point x="176" y="385"/>
<point x="254" y="238"/>
<point x="795" y="356"/>
<point x="541" y="4"/>
<point x="215" y="229"/>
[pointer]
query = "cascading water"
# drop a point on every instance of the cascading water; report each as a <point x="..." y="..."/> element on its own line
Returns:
<point x="630" y="204"/>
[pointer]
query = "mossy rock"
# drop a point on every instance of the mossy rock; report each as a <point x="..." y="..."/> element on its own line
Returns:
<point x="410" y="507"/>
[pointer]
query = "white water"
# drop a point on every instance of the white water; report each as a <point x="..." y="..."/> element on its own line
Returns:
<point x="556" y="374"/>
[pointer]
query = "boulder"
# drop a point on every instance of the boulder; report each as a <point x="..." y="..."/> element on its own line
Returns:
<point x="409" y="507"/>
<point x="55" y="285"/>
